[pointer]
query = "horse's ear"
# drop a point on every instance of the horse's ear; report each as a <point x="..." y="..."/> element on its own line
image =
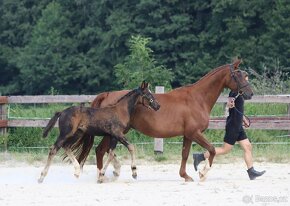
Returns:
<point x="236" y="63"/>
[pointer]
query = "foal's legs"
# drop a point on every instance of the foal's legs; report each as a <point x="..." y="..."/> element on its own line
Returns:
<point x="53" y="150"/>
<point x="131" y="149"/>
<point x="101" y="176"/>
<point x="111" y="156"/>
<point x="74" y="162"/>
<point x="100" y="150"/>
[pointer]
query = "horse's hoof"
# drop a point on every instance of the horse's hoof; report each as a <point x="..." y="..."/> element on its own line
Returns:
<point x="188" y="179"/>
<point x="202" y="177"/>
<point x="40" y="180"/>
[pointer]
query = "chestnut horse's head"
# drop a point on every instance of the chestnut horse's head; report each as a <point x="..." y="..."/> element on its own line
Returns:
<point x="148" y="99"/>
<point x="240" y="81"/>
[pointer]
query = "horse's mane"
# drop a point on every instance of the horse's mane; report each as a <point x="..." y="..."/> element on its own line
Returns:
<point x="212" y="72"/>
<point x="127" y="95"/>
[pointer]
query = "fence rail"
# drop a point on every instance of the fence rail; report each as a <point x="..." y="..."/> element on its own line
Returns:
<point x="271" y="123"/>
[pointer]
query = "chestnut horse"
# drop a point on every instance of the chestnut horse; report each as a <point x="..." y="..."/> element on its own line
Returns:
<point x="184" y="112"/>
<point x="78" y="123"/>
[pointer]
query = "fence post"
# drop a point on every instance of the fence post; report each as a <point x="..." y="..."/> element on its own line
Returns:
<point x="158" y="142"/>
<point x="288" y="111"/>
<point x="3" y="120"/>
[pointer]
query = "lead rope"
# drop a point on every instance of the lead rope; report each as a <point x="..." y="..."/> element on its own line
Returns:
<point x="242" y="112"/>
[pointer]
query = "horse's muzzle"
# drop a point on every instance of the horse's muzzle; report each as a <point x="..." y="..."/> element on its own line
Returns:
<point x="247" y="96"/>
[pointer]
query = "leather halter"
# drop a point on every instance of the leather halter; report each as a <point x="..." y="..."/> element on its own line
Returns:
<point x="239" y="84"/>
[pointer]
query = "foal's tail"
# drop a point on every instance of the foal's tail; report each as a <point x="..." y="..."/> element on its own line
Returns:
<point x="50" y="124"/>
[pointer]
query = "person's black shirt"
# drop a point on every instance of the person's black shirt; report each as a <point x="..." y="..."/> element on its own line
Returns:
<point x="235" y="118"/>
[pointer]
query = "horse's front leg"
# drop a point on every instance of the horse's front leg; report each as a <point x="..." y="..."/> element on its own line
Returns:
<point x="100" y="151"/>
<point x="202" y="141"/>
<point x="101" y="176"/>
<point x="185" y="152"/>
<point x="111" y="156"/>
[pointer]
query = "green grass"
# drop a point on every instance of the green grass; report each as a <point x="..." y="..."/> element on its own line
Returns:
<point x="35" y="110"/>
<point x="145" y="153"/>
<point x="255" y="109"/>
<point x="29" y="141"/>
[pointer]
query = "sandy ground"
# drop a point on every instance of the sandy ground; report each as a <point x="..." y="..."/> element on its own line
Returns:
<point x="227" y="184"/>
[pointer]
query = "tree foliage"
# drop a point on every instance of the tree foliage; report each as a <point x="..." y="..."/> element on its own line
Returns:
<point x="140" y="65"/>
<point x="74" y="45"/>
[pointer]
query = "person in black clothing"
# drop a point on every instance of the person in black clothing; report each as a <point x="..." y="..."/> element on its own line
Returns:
<point x="234" y="132"/>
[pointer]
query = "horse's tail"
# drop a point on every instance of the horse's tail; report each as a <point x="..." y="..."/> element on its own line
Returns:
<point x="96" y="103"/>
<point x="50" y="124"/>
<point x="82" y="148"/>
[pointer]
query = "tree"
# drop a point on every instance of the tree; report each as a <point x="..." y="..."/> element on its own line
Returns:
<point x="17" y="19"/>
<point x="140" y="65"/>
<point x="45" y="61"/>
<point x="275" y="42"/>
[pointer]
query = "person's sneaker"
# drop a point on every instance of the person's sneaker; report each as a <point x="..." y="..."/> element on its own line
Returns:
<point x="197" y="157"/>
<point x="253" y="173"/>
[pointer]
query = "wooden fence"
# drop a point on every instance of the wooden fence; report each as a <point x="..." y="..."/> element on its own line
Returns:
<point x="265" y="122"/>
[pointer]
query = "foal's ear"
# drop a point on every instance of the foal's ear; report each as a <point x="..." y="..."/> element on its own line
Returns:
<point x="236" y="63"/>
<point x="144" y="85"/>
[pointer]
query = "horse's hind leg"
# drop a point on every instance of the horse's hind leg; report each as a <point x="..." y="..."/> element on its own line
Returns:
<point x="202" y="141"/>
<point x="87" y="146"/>
<point x="53" y="150"/>
<point x="111" y="157"/>
<point x="74" y="162"/>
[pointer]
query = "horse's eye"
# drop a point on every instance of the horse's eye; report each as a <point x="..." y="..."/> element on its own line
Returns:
<point x="151" y="100"/>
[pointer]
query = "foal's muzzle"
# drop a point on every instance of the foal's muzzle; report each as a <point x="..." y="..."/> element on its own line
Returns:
<point x="154" y="105"/>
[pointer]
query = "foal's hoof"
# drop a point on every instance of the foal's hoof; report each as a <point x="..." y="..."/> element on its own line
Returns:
<point x="77" y="175"/>
<point x="134" y="176"/>
<point x="116" y="174"/>
<point x="40" y="180"/>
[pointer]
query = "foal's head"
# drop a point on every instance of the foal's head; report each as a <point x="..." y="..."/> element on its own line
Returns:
<point x="239" y="81"/>
<point x="147" y="99"/>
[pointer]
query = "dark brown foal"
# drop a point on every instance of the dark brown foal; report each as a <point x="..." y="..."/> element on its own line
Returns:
<point x="78" y="122"/>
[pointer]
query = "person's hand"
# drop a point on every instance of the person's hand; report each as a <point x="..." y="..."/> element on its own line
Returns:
<point x="231" y="102"/>
<point x="246" y="122"/>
